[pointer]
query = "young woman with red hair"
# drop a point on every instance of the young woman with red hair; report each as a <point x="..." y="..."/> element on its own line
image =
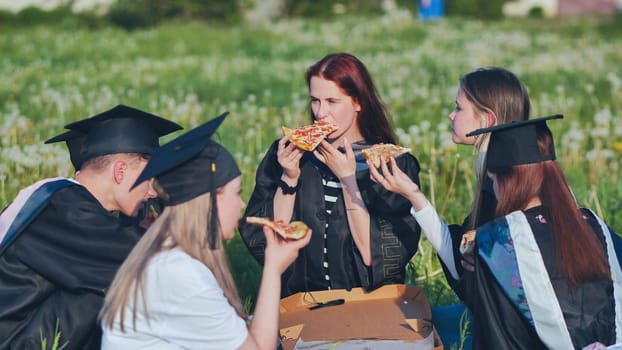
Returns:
<point x="364" y="236"/>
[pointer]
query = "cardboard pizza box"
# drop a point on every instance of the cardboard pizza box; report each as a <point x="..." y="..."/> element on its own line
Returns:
<point x="391" y="317"/>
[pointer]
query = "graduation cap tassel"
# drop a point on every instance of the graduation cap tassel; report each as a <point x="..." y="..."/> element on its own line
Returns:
<point x="213" y="225"/>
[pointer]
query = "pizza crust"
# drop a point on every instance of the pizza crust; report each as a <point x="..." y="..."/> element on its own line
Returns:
<point x="387" y="150"/>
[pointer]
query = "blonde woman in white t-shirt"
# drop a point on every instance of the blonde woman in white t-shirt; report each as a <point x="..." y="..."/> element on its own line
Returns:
<point x="175" y="290"/>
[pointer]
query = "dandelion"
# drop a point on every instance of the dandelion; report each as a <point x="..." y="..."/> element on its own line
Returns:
<point x="250" y="133"/>
<point x="414" y="131"/>
<point x="614" y="80"/>
<point x="405" y="139"/>
<point x="603" y="117"/>
<point x="425" y="126"/>
<point x="599" y="132"/>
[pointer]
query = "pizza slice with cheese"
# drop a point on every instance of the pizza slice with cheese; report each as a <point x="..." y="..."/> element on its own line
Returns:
<point x="387" y="150"/>
<point x="294" y="230"/>
<point x="309" y="137"/>
<point x="467" y="245"/>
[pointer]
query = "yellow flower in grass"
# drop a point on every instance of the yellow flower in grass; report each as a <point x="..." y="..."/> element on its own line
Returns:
<point x="617" y="146"/>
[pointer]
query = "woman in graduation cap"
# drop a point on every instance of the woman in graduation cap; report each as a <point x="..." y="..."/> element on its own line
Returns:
<point x="364" y="235"/>
<point x="175" y="289"/>
<point x="545" y="274"/>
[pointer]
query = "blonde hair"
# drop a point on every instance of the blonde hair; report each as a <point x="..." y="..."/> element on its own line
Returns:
<point x="184" y="226"/>
<point x="499" y="92"/>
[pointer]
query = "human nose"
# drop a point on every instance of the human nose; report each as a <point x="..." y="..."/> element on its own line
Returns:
<point x="322" y="111"/>
<point x="151" y="192"/>
<point x="452" y="115"/>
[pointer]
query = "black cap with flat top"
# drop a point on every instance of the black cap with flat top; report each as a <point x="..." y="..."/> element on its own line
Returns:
<point x="191" y="165"/>
<point x="121" y="129"/>
<point x="516" y="143"/>
<point x="74" y="140"/>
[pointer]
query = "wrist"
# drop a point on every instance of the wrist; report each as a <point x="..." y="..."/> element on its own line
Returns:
<point x="290" y="180"/>
<point x="290" y="187"/>
<point x="418" y="200"/>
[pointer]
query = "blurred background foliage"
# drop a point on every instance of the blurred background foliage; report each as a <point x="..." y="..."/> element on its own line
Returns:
<point x="134" y="14"/>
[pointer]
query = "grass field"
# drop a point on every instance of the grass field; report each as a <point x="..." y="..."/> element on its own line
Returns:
<point x="191" y="72"/>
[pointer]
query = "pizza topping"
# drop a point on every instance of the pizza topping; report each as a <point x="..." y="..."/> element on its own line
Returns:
<point x="309" y="137"/>
<point x="468" y="242"/>
<point x="374" y="153"/>
<point x="294" y="230"/>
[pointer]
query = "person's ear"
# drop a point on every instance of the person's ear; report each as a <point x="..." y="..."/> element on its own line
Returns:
<point x="119" y="168"/>
<point x="357" y="105"/>
<point x="491" y="119"/>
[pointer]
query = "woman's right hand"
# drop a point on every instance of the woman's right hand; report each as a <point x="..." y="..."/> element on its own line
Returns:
<point x="281" y="253"/>
<point x="288" y="156"/>
<point x="393" y="179"/>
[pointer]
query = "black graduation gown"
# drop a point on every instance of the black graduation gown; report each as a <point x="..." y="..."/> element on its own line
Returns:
<point x="56" y="272"/>
<point x="394" y="233"/>
<point x="486" y="214"/>
<point x="588" y="309"/>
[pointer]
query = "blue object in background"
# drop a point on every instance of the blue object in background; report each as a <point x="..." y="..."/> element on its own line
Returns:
<point x="447" y="320"/>
<point x="430" y="9"/>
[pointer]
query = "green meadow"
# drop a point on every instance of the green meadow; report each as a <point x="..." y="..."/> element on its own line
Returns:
<point x="190" y="72"/>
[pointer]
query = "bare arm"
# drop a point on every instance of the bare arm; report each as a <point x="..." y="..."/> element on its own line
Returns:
<point x="344" y="167"/>
<point x="264" y="328"/>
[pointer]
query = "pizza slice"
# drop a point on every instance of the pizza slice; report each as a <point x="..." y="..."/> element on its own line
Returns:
<point x="387" y="150"/>
<point x="308" y="137"/>
<point x="467" y="245"/>
<point x="294" y="230"/>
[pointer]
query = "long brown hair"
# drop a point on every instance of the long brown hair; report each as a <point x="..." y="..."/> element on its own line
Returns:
<point x="178" y="226"/>
<point x="498" y="91"/>
<point x="579" y="252"/>
<point x="352" y="77"/>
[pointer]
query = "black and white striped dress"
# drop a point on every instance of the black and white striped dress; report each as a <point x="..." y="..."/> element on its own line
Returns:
<point x="332" y="189"/>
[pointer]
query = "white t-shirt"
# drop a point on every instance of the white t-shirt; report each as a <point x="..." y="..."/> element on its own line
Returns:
<point x="437" y="232"/>
<point x="187" y="310"/>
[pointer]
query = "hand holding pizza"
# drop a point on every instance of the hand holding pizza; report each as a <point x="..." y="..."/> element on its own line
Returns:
<point x="288" y="156"/>
<point x="395" y="180"/>
<point x="280" y="253"/>
<point x="467" y="248"/>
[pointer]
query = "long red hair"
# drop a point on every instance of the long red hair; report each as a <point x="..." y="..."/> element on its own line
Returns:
<point x="580" y="253"/>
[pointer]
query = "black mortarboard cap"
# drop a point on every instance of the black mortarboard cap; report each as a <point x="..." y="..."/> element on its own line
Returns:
<point x="74" y="140"/>
<point x="516" y="143"/>
<point x="121" y="129"/>
<point x="184" y="165"/>
<point x="191" y="165"/>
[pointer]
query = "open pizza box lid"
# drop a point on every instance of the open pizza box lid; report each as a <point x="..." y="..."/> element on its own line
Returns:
<point x="391" y="317"/>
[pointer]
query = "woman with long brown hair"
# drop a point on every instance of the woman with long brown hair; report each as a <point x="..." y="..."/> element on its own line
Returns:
<point x="175" y="289"/>
<point x="545" y="273"/>
<point x="486" y="97"/>
<point x="354" y="219"/>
